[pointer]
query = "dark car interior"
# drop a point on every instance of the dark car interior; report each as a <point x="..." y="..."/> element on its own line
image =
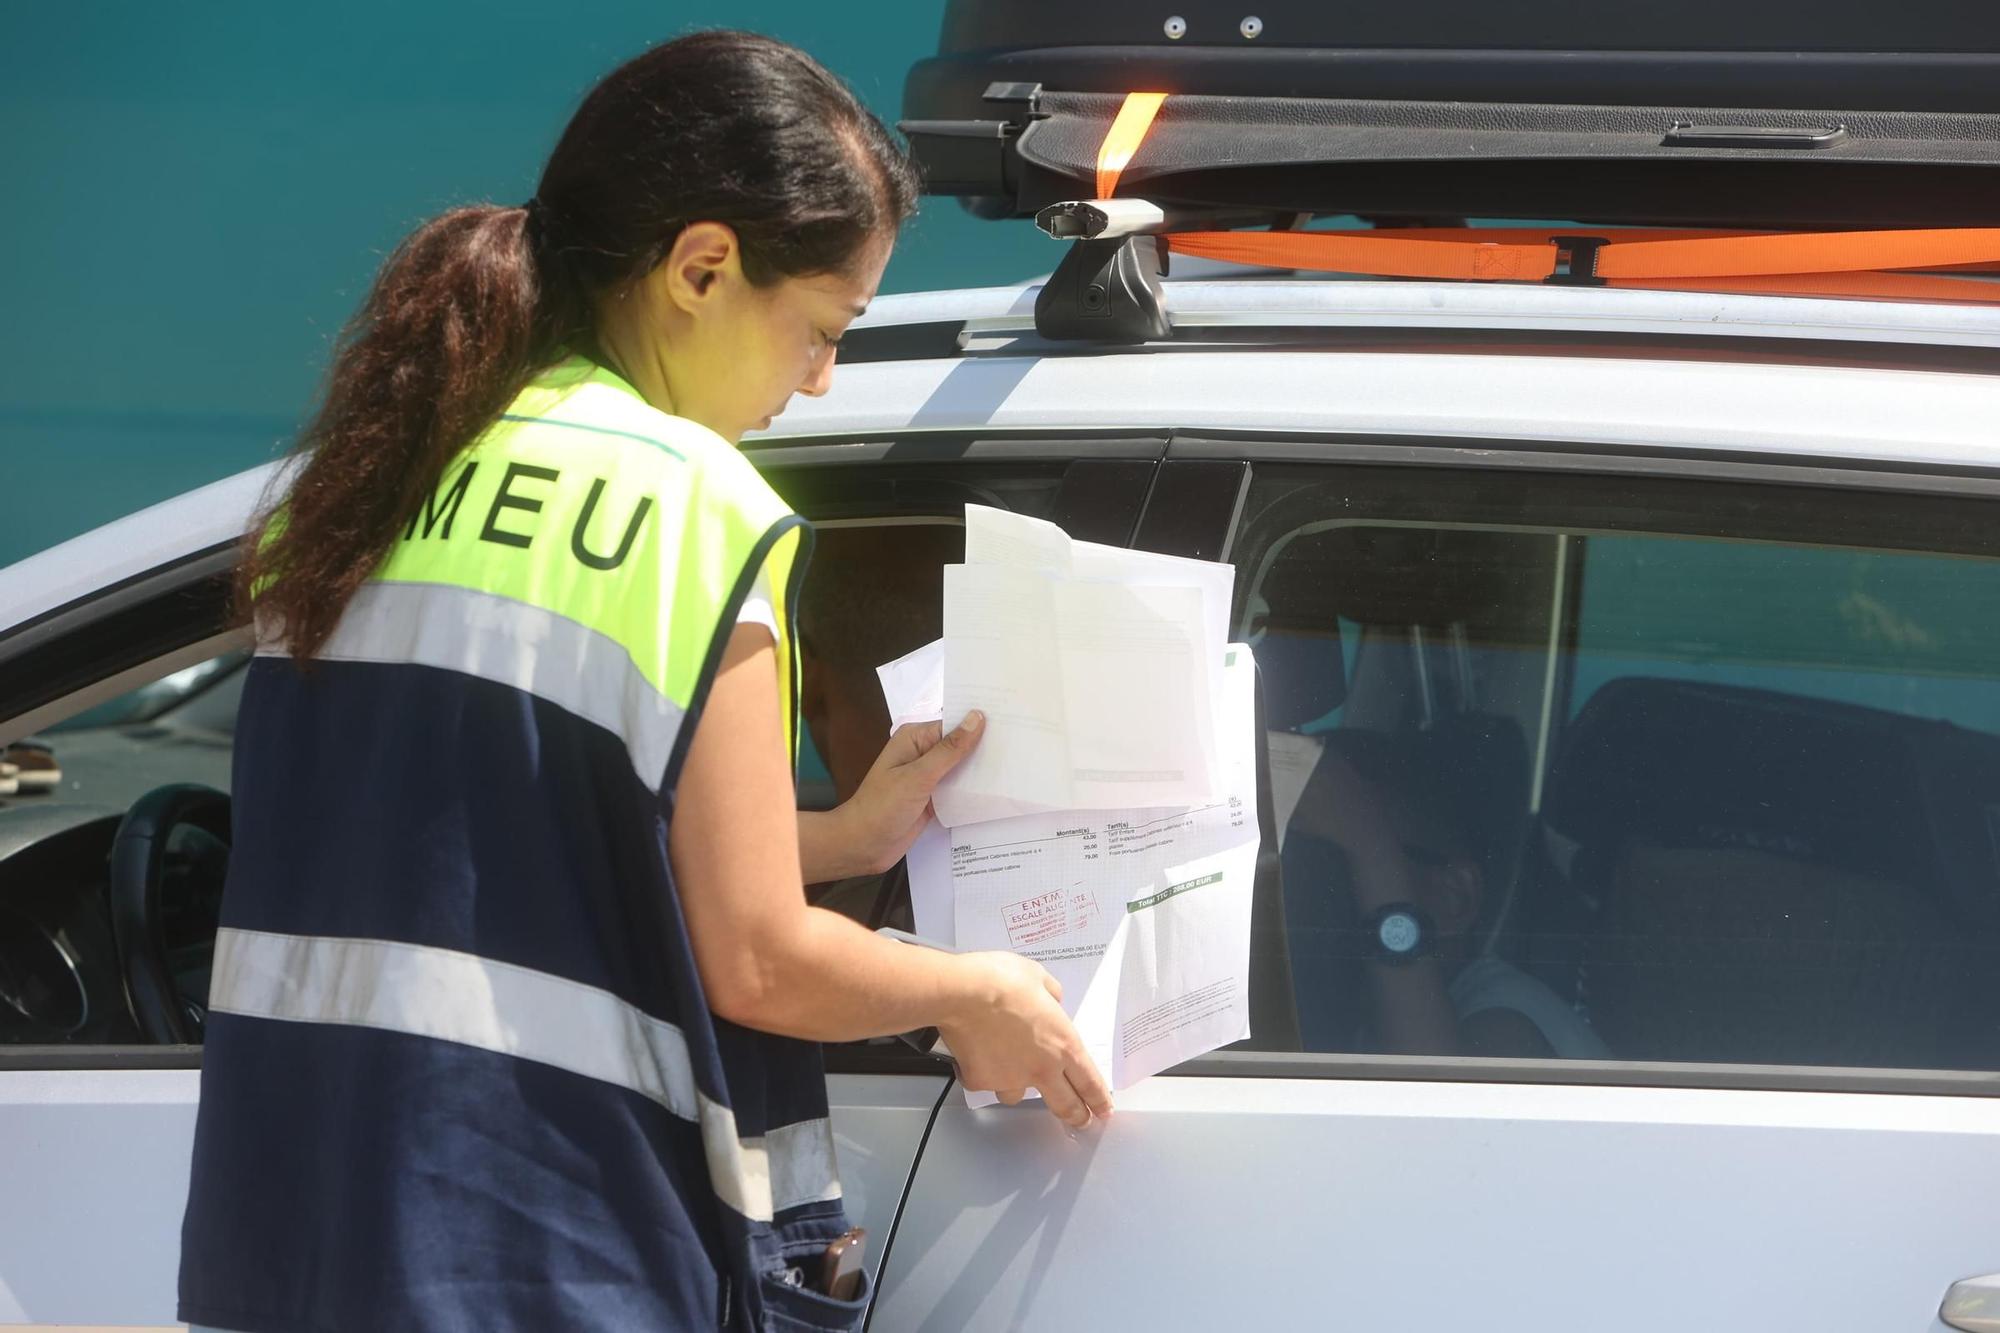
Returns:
<point x="1754" y="876"/>
<point x="1703" y="872"/>
<point x="107" y="921"/>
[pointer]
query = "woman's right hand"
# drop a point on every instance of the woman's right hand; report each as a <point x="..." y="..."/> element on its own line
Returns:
<point x="1011" y="1034"/>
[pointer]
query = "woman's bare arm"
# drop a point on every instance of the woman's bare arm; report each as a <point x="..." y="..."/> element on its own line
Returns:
<point x="769" y="961"/>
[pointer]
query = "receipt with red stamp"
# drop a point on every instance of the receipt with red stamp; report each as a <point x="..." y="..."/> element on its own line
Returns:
<point x="1152" y="956"/>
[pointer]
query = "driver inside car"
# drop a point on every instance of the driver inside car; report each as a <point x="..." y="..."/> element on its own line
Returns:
<point x="871" y="595"/>
<point x="1419" y="891"/>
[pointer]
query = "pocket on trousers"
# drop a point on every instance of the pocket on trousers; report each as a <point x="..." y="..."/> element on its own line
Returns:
<point x="800" y="1309"/>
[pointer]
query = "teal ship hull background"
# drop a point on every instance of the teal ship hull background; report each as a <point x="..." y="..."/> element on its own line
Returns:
<point x="200" y="194"/>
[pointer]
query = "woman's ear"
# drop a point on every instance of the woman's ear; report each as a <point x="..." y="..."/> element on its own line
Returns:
<point x="702" y="261"/>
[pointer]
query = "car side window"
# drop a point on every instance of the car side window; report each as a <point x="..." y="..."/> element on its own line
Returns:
<point x="60" y="973"/>
<point x="872" y="593"/>
<point x="1568" y="770"/>
<point x="178" y="728"/>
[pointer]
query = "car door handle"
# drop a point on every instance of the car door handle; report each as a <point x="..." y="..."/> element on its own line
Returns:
<point x="1973" y="1305"/>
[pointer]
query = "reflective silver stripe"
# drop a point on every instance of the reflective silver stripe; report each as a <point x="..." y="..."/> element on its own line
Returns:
<point x="517" y="1011"/>
<point x="792" y="1155"/>
<point x="512" y="643"/>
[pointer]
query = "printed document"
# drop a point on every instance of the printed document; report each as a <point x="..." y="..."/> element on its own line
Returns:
<point x="1176" y="975"/>
<point x="1098" y="670"/>
<point x="913" y="686"/>
<point x="1142" y="914"/>
<point x="1292" y="759"/>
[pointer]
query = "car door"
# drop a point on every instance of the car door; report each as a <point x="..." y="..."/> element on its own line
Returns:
<point x="887" y="514"/>
<point x="129" y="678"/>
<point x="1716" y="746"/>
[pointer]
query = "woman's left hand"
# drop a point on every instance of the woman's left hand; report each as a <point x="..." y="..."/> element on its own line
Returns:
<point x="878" y="823"/>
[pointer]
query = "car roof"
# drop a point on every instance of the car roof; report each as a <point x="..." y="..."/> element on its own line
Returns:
<point x="195" y="522"/>
<point x="1775" y="410"/>
<point x="1204" y="294"/>
<point x="1325" y="357"/>
<point x="1885" y="382"/>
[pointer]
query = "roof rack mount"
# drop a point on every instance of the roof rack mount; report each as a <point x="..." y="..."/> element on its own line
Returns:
<point x="1108" y="219"/>
<point x="1107" y="291"/>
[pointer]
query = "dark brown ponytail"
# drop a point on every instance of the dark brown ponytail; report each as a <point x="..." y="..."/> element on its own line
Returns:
<point x="718" y="127"/>
<point x="443" y="342"/>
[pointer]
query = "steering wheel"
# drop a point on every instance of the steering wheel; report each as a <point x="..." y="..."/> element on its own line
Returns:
<point x="145" y="855"/>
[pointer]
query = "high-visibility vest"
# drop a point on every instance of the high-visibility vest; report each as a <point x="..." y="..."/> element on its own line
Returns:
<point x="460" y="1072"/>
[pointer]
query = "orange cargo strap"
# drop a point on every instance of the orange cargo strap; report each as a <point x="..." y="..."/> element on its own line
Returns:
<point x="1128" y="131"/>
<point x="1856" y="263"/>
<point x="1471" y="253"/>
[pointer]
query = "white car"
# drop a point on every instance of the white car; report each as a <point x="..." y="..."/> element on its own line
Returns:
<point x="1681" y="609"/>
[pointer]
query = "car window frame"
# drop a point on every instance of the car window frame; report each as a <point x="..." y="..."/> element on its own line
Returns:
<point x="1349" y="457"/>
<point x="1159" y="526"/>
<point x="117" y="637"/>
<point x="1101" y="489"/>
<point x="180" y="612"/>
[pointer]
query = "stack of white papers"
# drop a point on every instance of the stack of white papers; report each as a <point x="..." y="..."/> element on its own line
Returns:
<point x="1142" y="914"/>
<point x="1098" y="669"/>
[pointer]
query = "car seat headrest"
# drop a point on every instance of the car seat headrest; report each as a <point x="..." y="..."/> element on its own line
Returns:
<point x="1296" y="632"/>
<point x="1748" y="957"/>
<point x="1780" y="879"/>
<point x="1710" y="766"/>
<point x="1380" y="574"/>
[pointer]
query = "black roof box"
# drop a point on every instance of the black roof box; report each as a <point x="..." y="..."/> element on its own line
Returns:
<point x="1756" y="113"/>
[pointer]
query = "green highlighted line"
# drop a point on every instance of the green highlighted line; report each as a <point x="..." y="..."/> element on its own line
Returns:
<point x="1141" y="904"/>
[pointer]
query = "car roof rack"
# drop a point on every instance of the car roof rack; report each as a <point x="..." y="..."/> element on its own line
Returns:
<point x="1687" y="166"/>
<point x="1274" y="310"/>
<point x="1871" y="119"/>
<point x="1916" y="55"/>
<point x="1769" y="114"/>
<point x="1107" y="287"/>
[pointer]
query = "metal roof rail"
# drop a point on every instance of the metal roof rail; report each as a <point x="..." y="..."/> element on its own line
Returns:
<point x="937" y="325"/>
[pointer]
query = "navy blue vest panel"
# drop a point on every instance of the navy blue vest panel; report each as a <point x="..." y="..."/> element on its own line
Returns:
<point x="460" y="1073"/>
<point x="364" y="1179"/>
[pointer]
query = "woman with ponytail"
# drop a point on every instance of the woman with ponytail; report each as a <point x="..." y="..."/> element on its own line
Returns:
<point x="513" y="1014"/>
